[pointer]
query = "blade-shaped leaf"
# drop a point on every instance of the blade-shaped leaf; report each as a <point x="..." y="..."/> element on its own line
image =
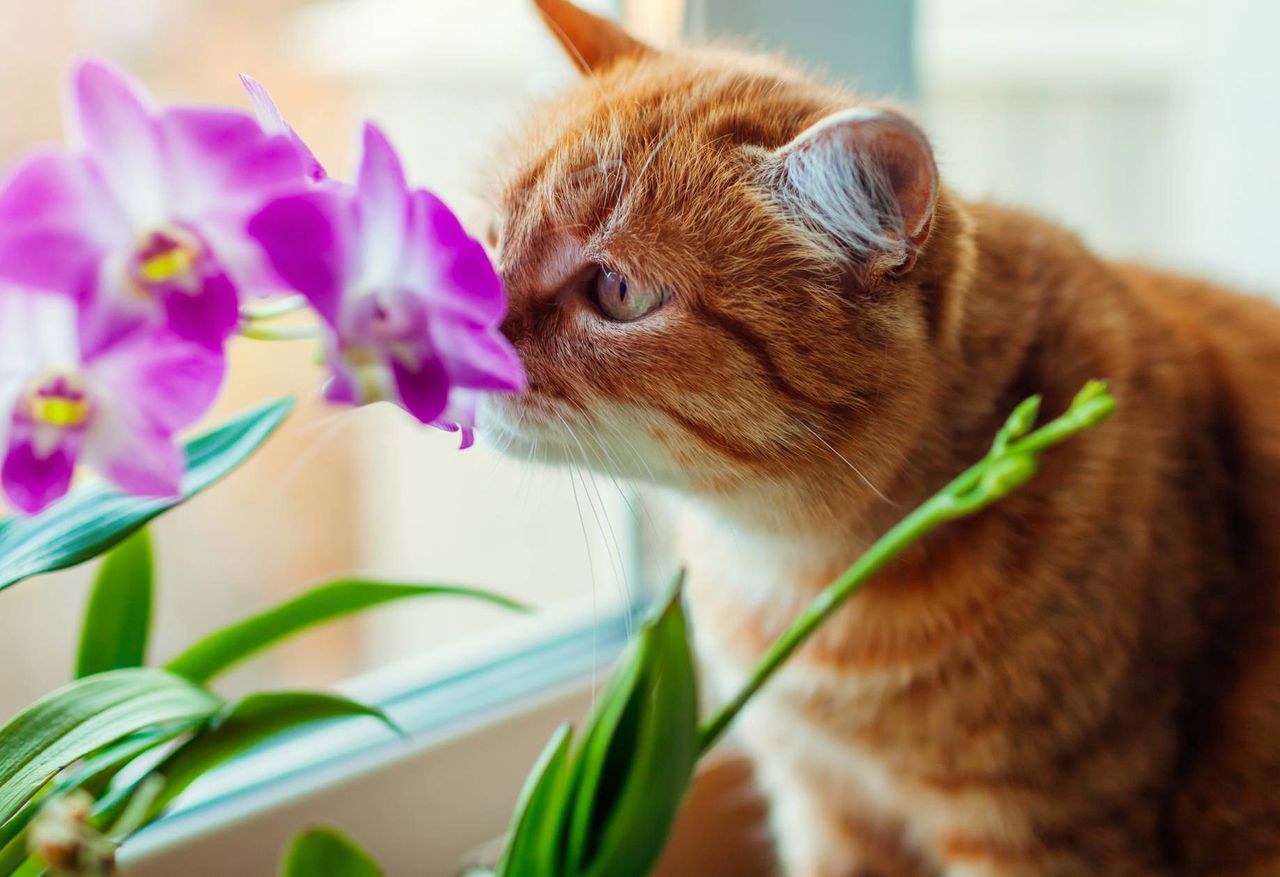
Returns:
<point x="251" y="721"/>
<point x="606" y="807"/>
<point x="224" y="648"/>
<point x="603" y="733"/>
<point x="325" y="852"/>
<point x="86" y="715"/>
<point x="651" y="769"/>
<point x="93" y="774"/>
<point x="95" y="516"/>
<point x="117" y="620"/>
<point x="533" y="847"/>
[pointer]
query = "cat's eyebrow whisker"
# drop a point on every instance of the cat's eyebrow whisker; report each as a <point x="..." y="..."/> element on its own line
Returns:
<point x="653" y="153"/>
<point x="599" y="168"/>
<point x="595" y="81"/>
<point x="865" y="480"/>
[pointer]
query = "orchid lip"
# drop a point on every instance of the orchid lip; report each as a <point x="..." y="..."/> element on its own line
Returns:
<point x="59" y="400"/>
<point x="168" y="258"/>
<point x="369" y="371"/>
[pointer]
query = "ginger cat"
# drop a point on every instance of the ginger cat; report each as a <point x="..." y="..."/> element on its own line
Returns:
<point x="752" y="289"/>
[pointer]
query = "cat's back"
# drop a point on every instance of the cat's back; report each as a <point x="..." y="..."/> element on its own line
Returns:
<point x="1228" y="812"/>
<point x="1235" y="339"/>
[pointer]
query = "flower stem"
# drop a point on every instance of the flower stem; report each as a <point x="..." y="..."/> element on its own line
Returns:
<point x="279" y="333"/>
<point x="273" y="309"/>
<point x="1007" y="466"/>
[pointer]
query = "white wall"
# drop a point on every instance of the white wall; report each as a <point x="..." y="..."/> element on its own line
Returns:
<point x="1148" y="125"/>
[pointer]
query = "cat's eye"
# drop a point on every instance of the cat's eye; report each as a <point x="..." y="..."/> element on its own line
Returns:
<point x="623" y="301"/>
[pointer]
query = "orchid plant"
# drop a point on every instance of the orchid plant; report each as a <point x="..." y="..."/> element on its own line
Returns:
<point x="129" y="259"/>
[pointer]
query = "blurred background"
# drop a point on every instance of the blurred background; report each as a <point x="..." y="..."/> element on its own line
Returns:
<point x="1148" y="126"/>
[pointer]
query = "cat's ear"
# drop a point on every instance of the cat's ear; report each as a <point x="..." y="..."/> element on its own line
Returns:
<point x="867" y="176"/>
<point x="591" y="41"/>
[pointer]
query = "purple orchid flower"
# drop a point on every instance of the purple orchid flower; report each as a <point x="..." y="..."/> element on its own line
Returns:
<point x="146" y="217"/>
<point x="411" y="302"/>
<point x="273" y="122"/>
<point x="115" y="407"/>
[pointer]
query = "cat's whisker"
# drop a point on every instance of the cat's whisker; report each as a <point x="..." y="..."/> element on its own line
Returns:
<point x="613" y="469"/>
<point x="640" y="459"/>
<point x="629" y="496"/>
<point x="591" y="572"/>
<point x="865" y="480"/>
<point x="605" y="525"/>
<point x="320" y="435"/>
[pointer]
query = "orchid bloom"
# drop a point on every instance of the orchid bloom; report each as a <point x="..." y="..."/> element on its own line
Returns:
<point x="410" y="302"/>
<point x="271" y="120"/>
<point x="145" y="218"/>
<point x="115" y="406"/>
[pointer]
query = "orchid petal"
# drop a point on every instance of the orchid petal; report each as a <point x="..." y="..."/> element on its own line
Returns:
<point x="385" y="210"/>
<point x="460" y="416"/>
<point x="56" y="221"/>
<point x="305" y="239"/>
<point x="273" y="122"/>
<point x="166" y="382"/>
<point x="218" y="159"/>
<point x="448" y="259"/>
<point x="240" y="256"/>
<point x="113" y="121"/>
<point x="37" y="332"/>
<point x="136" y="457"/>
<point x="32" y="481"/>
<point x="478" y="357"/>
<point x="207" y="317"/>
<point x="342" y="388"/>
<point x="423" y="391"/>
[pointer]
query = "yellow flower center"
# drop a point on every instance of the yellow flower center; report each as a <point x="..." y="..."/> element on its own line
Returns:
<point x="60" y="401"/>
<point x="168" y="258"/>
<point x="167" y="265"/>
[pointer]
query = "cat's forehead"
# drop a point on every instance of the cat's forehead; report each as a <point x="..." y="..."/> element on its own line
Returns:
<point x="700" y="104"/>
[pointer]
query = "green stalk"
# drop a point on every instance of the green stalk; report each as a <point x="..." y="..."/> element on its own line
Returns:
<point x="272" y="310"/>
<point x="1007" y="466"/>
<point x="278" y="333"/>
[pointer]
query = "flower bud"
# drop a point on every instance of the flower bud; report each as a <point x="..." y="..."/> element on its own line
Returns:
<point x="62" y="837"/>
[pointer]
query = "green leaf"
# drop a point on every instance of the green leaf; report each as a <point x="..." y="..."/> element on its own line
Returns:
<point x="118" y="618"/>
<point x="86" y="715"/>
<point x="606" y="809"/>
<point x="231" y="645"/>
<point x="650" y="766"/>
<point x="534" y="844"/>
<point x="95" y="516"/>
<point x="326" y="852"/>
<point x="251" y="721"/>
<point x="605" y="731"/>
<point x="93" y="774"/>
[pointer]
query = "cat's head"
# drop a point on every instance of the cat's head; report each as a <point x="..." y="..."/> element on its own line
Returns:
<point x="719" y="270"/>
